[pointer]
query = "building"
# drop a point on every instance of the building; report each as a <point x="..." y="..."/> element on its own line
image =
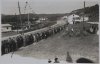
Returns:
<point x="43" y="18"/>
<point x="72" y="18"/>
<point x="6" y="27"/>
<point x="76" y="18"/>
<point x="85" y="18"/>
<point x="65" y="17"/>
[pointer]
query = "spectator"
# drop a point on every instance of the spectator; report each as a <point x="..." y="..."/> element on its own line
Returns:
<point x="56" y="60"/>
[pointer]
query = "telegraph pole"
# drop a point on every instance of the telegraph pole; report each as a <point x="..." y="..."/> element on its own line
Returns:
<point x="20" y="17"/>
<point x="83" y="20"/>
<point x="83" y="15"/>
<point x="16" y="23"/>
<point x="28" y="21"/>
<point x="84" y="11"/>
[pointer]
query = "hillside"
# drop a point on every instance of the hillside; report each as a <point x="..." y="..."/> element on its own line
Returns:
<point x="53" y="17"/>
<point x="92" y="12"/>
<point x="15" y="18"/>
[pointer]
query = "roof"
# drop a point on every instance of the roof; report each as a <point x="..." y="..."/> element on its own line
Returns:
<point x="6" y="25"/>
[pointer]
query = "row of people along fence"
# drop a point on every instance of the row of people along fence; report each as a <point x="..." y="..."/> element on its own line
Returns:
<point x="12" y="44"/>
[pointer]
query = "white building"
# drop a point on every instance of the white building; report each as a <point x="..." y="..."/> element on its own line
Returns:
<point x="43" y="19"/>
<point x="72" y="18"/>
<point x="65" y="17"/>
<point x="85" y="18"/>
<point x="76" y="18"/>
<point x="6" y="27"/>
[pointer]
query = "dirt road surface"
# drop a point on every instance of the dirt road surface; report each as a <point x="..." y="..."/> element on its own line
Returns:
<point x="58" y="46"/>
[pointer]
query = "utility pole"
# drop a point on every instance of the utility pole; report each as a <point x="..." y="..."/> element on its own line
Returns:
<point x="28" y="21"/>
<point x="20" y="17"/>
<point x="83" y="20"/>
<point x="83" y="16"/>
<point x="27" y="11"/>
<point x="28" y="17"/>
<point x="16" y="23"/>
<point x="84" y="11"/>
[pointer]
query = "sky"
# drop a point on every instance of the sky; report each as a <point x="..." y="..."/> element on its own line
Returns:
<point x="44" y="6"/>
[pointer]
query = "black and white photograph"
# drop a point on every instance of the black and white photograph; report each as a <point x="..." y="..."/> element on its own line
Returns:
<point x="49" y="31"/>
